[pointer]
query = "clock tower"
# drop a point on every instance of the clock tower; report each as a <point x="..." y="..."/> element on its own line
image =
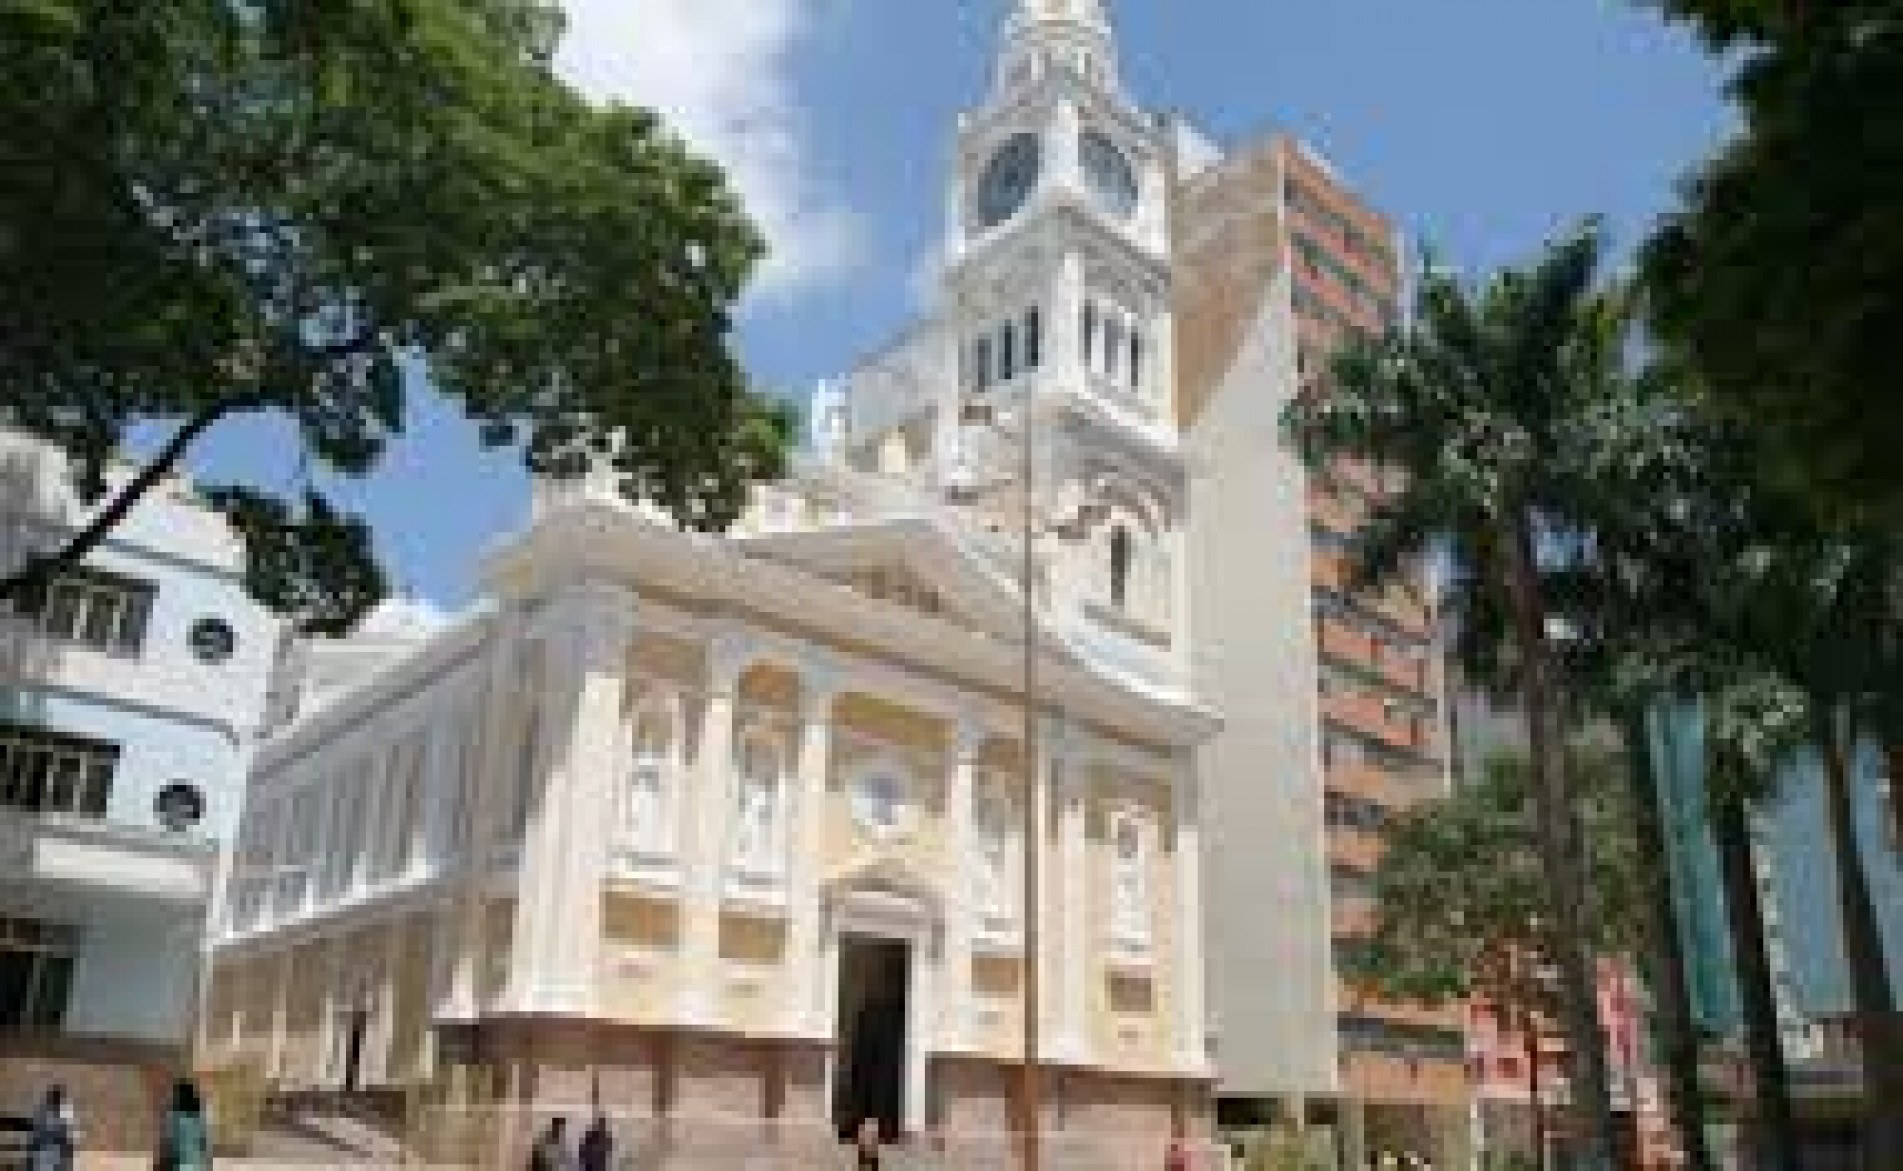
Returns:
<point x="1056" y="299"/>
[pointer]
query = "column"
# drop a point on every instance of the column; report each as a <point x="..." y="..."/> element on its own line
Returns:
<point x="1192" y="1027"/>
<point x="1073" y="858"/>
<point x="555" y="960"/>
<point x="961" y="796"/>
<point x="806" y="1015"/>
<point x="707" y="804"/>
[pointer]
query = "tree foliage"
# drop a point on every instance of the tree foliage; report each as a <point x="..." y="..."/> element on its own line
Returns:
<point x="1781" y="275"/>
<point x="215" y="209"/>
<point x="1463" y="907"/>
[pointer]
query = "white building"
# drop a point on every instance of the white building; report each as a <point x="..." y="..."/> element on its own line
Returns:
<point x="725" y="836"/>
<point x="127" y="705"/>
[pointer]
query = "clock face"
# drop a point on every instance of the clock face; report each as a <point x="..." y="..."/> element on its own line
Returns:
<point x="1113" y="181"/>
<point x="1009" y="179"/>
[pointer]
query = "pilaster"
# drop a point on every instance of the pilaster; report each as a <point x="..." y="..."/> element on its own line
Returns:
<point x="961" y="827"/>
<point x="1071" y="1041"/>
<point x="555" y="965"/>
<point x="1192" y="1028"/>
<point x="806" y="1012"/>
<point x="708" y="804"/>
<point x="484" y="788"/>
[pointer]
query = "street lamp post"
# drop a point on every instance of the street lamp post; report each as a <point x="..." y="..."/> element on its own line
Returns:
<point x="975" y="411"/>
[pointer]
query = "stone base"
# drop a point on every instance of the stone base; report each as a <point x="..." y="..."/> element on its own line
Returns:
<point x="679" y="1100"/>
<point x="118" y="1088"/>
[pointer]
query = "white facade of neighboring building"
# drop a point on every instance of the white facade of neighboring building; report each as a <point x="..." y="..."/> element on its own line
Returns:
<point x="127" y="707"/>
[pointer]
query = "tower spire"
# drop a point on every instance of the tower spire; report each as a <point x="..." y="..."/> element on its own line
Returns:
<point x="1041" y="35"/>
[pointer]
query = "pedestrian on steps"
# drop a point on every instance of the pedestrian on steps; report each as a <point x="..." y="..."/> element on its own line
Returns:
<point x="866" y="1145"/>
<point x="597" y="1150"/>
<point x="184" y="1136"/>
<point x="1178" y="1157"/>
<point x="550" y="1152"/>
<point x="55" y="1141"/>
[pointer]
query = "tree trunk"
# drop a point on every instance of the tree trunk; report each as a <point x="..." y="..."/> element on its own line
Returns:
<point x="1668" y="977"/>
<point x="1879" y="1033"/>
<point x="26" y="584"/>
<point x="1560" y="840"/>
<point x="1770" y="1076"/>
<point x="1530" y="1024"/>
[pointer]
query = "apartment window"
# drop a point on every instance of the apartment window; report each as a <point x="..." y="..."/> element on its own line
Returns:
<point x="43" y="772"/>
<point x="36" y="974"/>
<point x="1033" y="338"/>
<point x="1369" y="1034"/>
<point x="100" y="610"/>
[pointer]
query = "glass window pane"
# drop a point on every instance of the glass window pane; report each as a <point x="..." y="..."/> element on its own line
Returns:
<point x="53" y="984"/>
<point x="137" y="612"/>
<point x="62" y="607"/>
<point x="103" y="610"/>
<point x="62" y="789"/>
<point x="16" y="981"/>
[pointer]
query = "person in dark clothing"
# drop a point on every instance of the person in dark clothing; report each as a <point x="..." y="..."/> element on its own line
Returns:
<point x="185" y="1138"/>
<point x="55" y="1141"/>
<point x="597" y="1150"/>
<point x="550" y="1152"/>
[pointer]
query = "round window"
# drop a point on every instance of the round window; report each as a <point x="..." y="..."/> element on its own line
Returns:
<point x="880" y="802"/>
<point x="180" y="806"/>
<point x="213" y="640"/>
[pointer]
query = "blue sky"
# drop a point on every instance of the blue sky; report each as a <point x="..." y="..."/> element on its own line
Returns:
<point x="1483" y="126"/>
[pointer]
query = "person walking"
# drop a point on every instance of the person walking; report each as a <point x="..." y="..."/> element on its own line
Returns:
<point x="55" y="1142"/>
<point x="184" y="1135"/>
<point x="597" y="1150"/>
<point x="866" y="1146"/>
<point x="550" y="1152"/>
<point x="1178" y="1157"/>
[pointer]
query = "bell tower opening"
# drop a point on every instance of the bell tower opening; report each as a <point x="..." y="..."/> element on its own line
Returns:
<point x="870" y="1078"/>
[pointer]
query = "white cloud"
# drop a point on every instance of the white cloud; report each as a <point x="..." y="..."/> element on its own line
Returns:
<point x="718" y="71"/>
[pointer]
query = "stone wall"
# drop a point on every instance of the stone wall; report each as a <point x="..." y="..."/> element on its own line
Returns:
<point x="118" y="1087"/>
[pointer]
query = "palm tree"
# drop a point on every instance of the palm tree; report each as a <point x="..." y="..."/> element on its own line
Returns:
<point x="1474" y="407"/>
<point x="1752" y="726"/>
<point x="1813" y="609"/>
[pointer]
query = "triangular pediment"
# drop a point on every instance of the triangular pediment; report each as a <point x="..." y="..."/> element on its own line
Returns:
<point x="912" y="562"/>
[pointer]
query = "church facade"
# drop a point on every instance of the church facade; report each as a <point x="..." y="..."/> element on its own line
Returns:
<point x="725" y="838"/>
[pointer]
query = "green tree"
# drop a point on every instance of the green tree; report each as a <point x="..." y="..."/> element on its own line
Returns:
<point x="1781" y="274"/>
<point x="1475" y="407"/>
<point x="216" y="210"/>
<point x="1464" y="910"/>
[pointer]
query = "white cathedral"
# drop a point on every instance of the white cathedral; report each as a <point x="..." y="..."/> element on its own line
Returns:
<point x="724" y="837"/>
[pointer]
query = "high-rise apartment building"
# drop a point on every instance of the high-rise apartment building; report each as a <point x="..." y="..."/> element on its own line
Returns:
<point x="1330" y="697"/>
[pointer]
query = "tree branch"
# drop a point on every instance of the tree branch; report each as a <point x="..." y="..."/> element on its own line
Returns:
<point x="27" y="584"/>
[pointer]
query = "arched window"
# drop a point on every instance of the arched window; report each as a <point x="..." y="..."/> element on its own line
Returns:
<point x="1136" y="360"/>
<point x="1007" y="352"/>
<point x="1112" y="344"/>
<point x="1033" y="338"/>
<point x="981" y="364"/>
<point x="1122" y="556"/>
<point x="1090" y="333"/>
